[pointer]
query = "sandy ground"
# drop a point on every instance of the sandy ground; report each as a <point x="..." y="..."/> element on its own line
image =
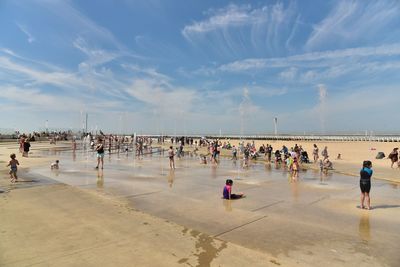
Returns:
<point x="73" y="220"/>
<point x="352" y="154"/>
<point x="59" y="225"/>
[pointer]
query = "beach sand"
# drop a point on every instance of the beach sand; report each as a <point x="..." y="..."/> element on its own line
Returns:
<point x="142" y="214"/>
<point x="352" y="155"/>
<point x="60" y="225"/>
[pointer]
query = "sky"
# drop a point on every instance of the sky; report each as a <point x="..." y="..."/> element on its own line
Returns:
<point x="204" y="67"/>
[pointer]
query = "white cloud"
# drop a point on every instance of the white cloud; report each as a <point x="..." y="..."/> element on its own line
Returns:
<point x="238" y="28"/>
<point x="230" y="16"/>
<point x="289" y="74"/>
<point x="317" y="59"/>
<point x="244" y="65"/>
<point x="95" y="56"/>
<point x="149" y="72"/>
<point x="34" y="99"/>
<point x="31" y="39"/>
<point x="162" y="96"/>
<point x="354" y="21"/>
<point x="35" y="75"/>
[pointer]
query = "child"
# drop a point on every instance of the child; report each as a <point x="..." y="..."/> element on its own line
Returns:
<point x="295" y="169"/>
<point x="13" y="168"/>
<point x="234" y="153"/>
<point x="203" y="159"/>
<point x="321" y="165"/>
<point x="365" y="184"/>
<point x="100" y="153"/>
<point x="227" y="192"/>
<point x="171" y="155"/>
<point x="54" y="165"/>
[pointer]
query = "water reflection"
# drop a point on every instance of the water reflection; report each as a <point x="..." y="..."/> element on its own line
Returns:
<point x="100" y="179"/>
<point x="364" y="227"/>
<point x="171" y="177"/>
<point x="227" y="204"/>
<point x="214" y="171"/>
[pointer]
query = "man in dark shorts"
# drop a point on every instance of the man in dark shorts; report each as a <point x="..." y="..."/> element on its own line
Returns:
<point x="365" y="184"/>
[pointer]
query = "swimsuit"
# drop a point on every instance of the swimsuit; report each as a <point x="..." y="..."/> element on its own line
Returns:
<point x="365" y="180"/>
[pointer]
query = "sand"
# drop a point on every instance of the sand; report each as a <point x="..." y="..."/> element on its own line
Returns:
<point x="352" y="154"/>
<point x="59" y="225"/>
<point x="142" y="215"/>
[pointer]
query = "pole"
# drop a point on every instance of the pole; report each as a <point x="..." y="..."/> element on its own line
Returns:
<point x="86" y="123"/>
<point x="276" y="126"/>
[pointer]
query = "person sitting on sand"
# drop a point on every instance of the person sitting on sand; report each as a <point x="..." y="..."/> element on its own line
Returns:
<point x="203" y="159"/>
<point x="227" y="192"/>
<point x="328" y="164"/>
<point x="54" y="165"/>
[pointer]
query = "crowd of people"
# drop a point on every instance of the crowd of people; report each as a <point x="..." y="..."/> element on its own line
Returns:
<point x="289" y="158"/>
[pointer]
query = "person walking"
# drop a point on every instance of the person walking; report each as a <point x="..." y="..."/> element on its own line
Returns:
<point x="100" y="153"/>
<point x="394" y="156"/>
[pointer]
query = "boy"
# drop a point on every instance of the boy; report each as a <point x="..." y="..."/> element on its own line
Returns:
<point x="13" y="168"/>
<point x="54" y="165"/>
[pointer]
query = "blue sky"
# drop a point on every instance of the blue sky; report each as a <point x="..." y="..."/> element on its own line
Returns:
<point x="200" y="66"/>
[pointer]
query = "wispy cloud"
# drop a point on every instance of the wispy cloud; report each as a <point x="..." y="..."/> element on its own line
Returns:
<point x="95" y="56"/>
<point x="23" y="28"/>
<point x="161" y="96"/>
<point x="322" y="58"/>
<point x="148" y="72"/>
<point x="353" y="21"/>
<point x="240" y="27"/>
<point x="231" y="16"/>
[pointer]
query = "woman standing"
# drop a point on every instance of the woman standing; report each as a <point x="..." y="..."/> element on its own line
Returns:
<point x="365" y="184"/>
<point x="315" y="153"/>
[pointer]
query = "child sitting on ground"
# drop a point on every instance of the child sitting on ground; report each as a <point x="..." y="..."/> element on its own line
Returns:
<point x="13" y="168"/>
<point x="203" y="159"/>
<point x="227" y="192"/>
<point x="54" y="165"/>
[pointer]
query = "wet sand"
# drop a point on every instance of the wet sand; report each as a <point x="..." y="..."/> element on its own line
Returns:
<point x="140" y="210"/>
<point x="352" y="155"/>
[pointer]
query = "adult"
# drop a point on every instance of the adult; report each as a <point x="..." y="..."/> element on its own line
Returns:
<point x="27" y="146"/>
<point x="269" y="152"/>
<point x="365" y="184"/>
<point x="100" y="153"/>
<point x="315" y="153"/>
<point x="394" y="156"/>
<point x="21" y="143"/>
<point x="171" y="155"/>
<point x="324" y="152"/>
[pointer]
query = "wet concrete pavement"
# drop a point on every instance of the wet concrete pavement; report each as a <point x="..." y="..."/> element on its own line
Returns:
<point x="315" y="220"/>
